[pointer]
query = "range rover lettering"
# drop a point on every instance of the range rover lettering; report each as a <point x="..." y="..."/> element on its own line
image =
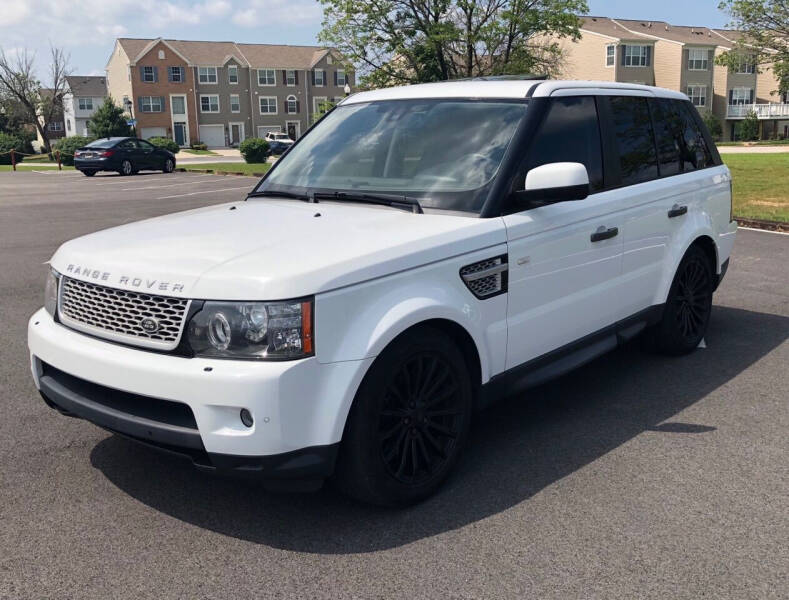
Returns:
<point x="420" y="251"/>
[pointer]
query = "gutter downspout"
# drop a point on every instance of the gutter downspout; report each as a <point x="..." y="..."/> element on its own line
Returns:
<point x="194" y="95"/>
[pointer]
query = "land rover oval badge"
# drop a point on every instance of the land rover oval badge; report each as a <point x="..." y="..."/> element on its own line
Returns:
<point x="149" y="325"/>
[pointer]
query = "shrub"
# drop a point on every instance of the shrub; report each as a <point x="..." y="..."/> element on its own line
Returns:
<point x="7" y="143"/>
<point x="67" y="146"/>
<point x="713" y="123"/>
<point x="166" y="143"/>
<point x="255" y="150"/>
<point x="747" y="130"/>
<point x="198" y="145"/>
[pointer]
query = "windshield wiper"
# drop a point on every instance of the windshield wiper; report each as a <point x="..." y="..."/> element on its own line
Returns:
<point x="273" y="194"/>
<point x="395" y="201"/>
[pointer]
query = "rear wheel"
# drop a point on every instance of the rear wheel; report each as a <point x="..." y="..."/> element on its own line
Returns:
<point x="408" y="423"/>
<point x="688" y="307"/>
<point x="127" y="168"/>
<point x="89" y="173"/>
<point x="169" y="166"/>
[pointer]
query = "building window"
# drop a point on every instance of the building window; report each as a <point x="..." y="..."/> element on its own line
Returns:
<point x="290" y="77"/>
<point x="235" y="104"/>
<point x="292" y="105"/>
<point x="56" y="126"/>
<point x="150" y="104"/>
<point x="698" y="94"/>
<point x="161" y="54"/>
<point x="341" y="77"/>
<point x="175" y="74"/>
<point x="320" y="77"/>
<point x="268" y="105"/>
<point x="209" y="103"/>
<point x="740" y="96"/>
<point x="267" y="77"/>
<point x="746" y="66"/>
<point x="148" y="75"/>
<point x="637" y="56"/>
<point x="698" y="59"/>
<point x="232" y="74"/>
<point x="86" y="103"/>
<point x="610" y="55"/>
<point x="207" y="74"/>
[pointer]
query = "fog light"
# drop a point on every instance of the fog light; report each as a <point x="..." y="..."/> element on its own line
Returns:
<point x="246" y="417"/>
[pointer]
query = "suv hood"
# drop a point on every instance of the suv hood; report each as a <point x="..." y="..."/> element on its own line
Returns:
<point x="269" y="249"/>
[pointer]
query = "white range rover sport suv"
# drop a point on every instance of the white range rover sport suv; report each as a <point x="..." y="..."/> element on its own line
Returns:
<point x="418" y="252"/>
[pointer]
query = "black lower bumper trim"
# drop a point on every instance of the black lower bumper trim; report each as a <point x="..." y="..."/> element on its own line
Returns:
<point x="724" y="268"/>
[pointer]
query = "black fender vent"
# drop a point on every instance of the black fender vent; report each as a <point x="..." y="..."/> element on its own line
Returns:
<point x="486" y="278"/>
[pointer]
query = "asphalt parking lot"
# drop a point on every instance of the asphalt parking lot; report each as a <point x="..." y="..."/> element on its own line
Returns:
<point x="636" y="476"/>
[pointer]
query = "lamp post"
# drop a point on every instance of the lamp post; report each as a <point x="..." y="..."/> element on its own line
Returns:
<point x="129" y="108"/>
<point x="347" y="89"/>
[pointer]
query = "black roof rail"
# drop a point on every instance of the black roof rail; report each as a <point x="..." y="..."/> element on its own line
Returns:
<point x="526" y="77"/>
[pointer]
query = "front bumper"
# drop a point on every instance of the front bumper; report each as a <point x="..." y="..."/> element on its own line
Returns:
<point x="192" y="405"/>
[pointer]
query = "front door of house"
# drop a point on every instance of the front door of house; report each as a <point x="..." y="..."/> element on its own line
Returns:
<point x="236" y="133"/>
<point x="292" y="130"/>
<point x="179" y="132"/>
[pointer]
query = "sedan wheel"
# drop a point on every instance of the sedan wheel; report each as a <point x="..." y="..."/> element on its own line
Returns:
<point x="127" y="168"/>
<point x="169" y="166"/>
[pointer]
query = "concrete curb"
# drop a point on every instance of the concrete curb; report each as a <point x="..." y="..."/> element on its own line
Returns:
<point x="219" y="172"/>
<point x="762" y="224"/>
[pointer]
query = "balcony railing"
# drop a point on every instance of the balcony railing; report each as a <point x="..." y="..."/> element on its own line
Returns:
<point x="763" y="111"/>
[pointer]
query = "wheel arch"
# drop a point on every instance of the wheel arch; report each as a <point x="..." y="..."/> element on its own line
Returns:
<point x="702" y="237"/>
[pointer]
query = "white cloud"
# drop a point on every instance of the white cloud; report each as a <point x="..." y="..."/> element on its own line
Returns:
<point x="268" y="13"/>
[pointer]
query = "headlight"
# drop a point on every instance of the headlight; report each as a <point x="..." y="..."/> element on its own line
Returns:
<point x="253" y="330"/>
<point x="51" y="292"/>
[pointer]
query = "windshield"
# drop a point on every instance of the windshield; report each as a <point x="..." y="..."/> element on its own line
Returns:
<point x="106" y="143"/>
<point x="444" y="152"/>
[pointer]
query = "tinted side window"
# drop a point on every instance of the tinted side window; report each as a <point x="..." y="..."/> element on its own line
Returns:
<point x="695" y="154"/>
<point x="668" y="134"/>
<point x="570" y="133"/>
<point x="635" y="141"/>
<point x="127" y="145"/>
<point x="145" y="145"/>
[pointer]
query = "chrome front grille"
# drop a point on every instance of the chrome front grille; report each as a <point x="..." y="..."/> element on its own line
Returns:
<point x="130" y="317"/>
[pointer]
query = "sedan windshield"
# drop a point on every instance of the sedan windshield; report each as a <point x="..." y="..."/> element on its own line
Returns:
<point x="443" y="152"/>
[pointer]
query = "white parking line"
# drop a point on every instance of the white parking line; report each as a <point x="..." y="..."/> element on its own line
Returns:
<point x="154" y="187"/>
<point x="54" y="172"/>
<point x="246" y="187"/>
<point x="762" y="230"/>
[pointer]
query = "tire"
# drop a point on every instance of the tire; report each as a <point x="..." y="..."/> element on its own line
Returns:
<point x="169" y="166"/>
<point x="408" y="423"/>
<point x="688" y="306"/>
<point x="127" y="168"/>
<point x="89" y="173"/>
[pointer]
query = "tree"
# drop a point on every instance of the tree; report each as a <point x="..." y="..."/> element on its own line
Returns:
<point x="322" y="109"/>
<point x="747" y="130"/>
<point x="713" y="123"/>
<point x="410" y="41"/>
<point x="18" y="82"/>
<point x="109" y="120"/>
<point x="763" y="26"/>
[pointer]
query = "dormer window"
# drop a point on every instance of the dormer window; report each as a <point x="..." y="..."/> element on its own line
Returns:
<point x="161" y="54"/>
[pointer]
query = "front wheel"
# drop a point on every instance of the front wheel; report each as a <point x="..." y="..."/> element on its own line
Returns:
<point x="126" y="168"/>
<point x="408" y="423"/>
<point x="169" y="166"/>
<point x="688" y="306"/>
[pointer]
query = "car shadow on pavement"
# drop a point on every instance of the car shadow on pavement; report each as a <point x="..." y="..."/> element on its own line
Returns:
<point x="517" y="448"/>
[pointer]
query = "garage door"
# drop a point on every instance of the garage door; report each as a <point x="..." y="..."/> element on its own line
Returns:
<point x="149" y="132"/>
<point x="264" y="129"/>
<point x="212" y="136"/>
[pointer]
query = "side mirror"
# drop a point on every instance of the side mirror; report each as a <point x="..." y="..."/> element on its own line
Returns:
<point x="555" y="182"/>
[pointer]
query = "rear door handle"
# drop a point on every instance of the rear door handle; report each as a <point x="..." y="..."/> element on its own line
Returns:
<point x="677" y="211"/>
<point x="603" y="234"/>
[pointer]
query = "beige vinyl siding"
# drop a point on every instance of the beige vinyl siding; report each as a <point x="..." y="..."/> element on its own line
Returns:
<point x="720" y="80"/>
<point x="767" y="87"/>
<point x="668" y="65"/>
<point x="585" y="59"/>
<point x="118" y="84"/>
<point x="630" y="74"/>
<point x="700" y="78"/>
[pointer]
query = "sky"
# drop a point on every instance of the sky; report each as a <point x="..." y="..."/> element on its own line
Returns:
<point x="86" y="29"/>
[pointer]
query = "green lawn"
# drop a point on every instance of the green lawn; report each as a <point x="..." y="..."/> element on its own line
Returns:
<point x="257" y="169"/>
<point x="199" y="152"/>
<point x="29" y="167"/>
<point x="761" y="185"/>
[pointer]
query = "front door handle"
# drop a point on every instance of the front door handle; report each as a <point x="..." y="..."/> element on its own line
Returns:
<point x="603" y="234"/>
<point x="677" y="211"/>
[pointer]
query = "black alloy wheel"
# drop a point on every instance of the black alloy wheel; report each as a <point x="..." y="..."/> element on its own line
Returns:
<point x="408" y="422"/>
<point x="127" y="168"/>
<point x="688" y="307"/>
<point x="421" y="419"/>
<point x="169" y="166"/>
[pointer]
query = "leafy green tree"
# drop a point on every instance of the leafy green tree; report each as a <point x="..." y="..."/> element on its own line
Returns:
<point x="411" y="41"/>
<point x="323" y="108"/>
<point x="747" y="130"/>
<point x="109" y="120"/>
<point x="713" y="123"/>
<point x="764" y="36"/>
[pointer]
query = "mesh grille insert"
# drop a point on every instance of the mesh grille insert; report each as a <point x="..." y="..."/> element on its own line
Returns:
<point x="483" y="285"/>
<point x="122" y="312"/>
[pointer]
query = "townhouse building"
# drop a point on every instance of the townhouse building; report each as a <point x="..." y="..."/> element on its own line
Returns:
<point x="84" y="94"/>
<point x="220" y="93"/>
<point x="680" y="58"/>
